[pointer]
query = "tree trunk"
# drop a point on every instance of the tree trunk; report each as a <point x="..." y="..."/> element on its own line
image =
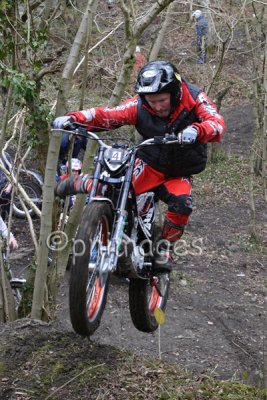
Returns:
<point x="264" y="136"/>
<point x="259" y="89"/>
<point x="7" y="110"/>
<point x="7" y="301"/>
<point x="59" y="264"/>
<point x="65" y="84"/>
<point x="133" y="35"/>
<point x="91" y="11"/>
<point x="161" y="35"/>
<point x="212" y="37"/>
<point x="38" y="305"/>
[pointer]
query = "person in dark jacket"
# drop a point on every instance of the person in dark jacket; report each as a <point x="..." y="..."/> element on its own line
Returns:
<point x="165" y="103"/>
<point x="5" y="188"/>
<point x="202" y="36"/>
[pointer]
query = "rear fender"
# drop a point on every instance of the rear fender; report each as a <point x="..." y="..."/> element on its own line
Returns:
<point x="38" y="177"/>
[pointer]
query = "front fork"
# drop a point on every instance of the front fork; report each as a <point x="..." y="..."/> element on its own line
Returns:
<point x="121" y="213"/>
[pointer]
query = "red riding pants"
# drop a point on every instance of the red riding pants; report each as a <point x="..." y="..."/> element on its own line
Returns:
<point x="175" y="192"/>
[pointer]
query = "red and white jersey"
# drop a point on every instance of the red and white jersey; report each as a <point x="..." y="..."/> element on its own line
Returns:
<point x="210" y="124"/>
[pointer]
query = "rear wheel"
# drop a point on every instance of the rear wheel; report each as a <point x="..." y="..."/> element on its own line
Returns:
<point x="88" y="284"/>
<point x="144" y="297"/>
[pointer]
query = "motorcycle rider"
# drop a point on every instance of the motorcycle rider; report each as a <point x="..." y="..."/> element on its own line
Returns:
<point x="76" y="169"/>
<point x="165" y="103"/>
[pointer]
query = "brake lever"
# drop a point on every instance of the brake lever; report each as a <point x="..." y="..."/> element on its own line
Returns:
<point x="72" y="125"/>
<point x="170" y="137"/>
<point x="159" y="139"/>
<point x="167" y="138"/>
<point x="75" y="128"/>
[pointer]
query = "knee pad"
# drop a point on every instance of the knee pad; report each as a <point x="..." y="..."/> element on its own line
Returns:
<point x="171" y="231"/>
<point x="180" y="204"/>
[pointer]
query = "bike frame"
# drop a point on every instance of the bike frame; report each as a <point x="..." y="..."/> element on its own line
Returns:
<point x="122" y="218"/>
<point x="110" y="253"/>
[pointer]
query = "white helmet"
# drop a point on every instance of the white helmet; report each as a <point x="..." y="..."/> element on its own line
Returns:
<point x="76" y="165"/>
<point x="196" y="14"/>
<point x="137" y="49"/>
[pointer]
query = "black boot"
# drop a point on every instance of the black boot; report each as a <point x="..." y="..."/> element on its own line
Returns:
<point x="163" y="258"/>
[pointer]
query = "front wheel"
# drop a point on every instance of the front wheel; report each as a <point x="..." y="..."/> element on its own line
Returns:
<point x="88" y="284"/>
<point x="144" y="297"/>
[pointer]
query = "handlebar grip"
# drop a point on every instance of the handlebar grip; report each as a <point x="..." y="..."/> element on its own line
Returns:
<point x="68" y="124"/>
<point x="159" y="139"/>
<point x="75" y="128"/>
<point x="170" y="137"/>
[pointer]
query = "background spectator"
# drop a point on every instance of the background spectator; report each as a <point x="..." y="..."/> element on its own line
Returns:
<point x="202" y="36"/>
<point x="5" y="189"/>
<point x="140" y="60"/>
<point x="13" y="244"/>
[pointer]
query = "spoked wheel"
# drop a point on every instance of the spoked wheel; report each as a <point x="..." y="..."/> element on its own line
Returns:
<point x="34" y="191"/>
<point x="88" y="283"/>
<point x="144" y="297"/>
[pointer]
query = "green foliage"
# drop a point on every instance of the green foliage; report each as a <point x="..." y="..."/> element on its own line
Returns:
<point x="5" y="5"/>
<point x="24" y="88"/>
<point x="7" y="42"/>
<point x="19" y="67"/>
<point x="37" y="120"/>
<point x="39" y="40"/>
<point x="26" y="94"/>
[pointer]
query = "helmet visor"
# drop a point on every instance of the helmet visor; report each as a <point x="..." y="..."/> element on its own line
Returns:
<point x="155" y="80"/>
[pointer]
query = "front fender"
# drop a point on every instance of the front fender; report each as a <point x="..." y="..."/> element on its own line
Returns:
<point x="102" y="199"/>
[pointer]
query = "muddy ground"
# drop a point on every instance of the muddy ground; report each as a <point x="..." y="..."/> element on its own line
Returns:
<point x="216" y="310"/>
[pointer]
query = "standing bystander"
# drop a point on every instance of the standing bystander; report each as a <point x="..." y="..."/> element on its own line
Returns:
<point x="140" y="61"/>
<point x="202" y="36"/>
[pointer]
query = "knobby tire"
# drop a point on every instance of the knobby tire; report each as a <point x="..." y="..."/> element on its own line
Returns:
<point x="88" y="292"/>
<point x="144" y="298"/>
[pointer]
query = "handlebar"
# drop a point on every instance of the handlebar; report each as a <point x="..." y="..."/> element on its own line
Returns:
<point x="166" y="139"/>
<point x="77" y="129"/>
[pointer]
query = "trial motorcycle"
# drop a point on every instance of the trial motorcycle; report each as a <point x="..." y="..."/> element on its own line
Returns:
<point x="116" y="235"/>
